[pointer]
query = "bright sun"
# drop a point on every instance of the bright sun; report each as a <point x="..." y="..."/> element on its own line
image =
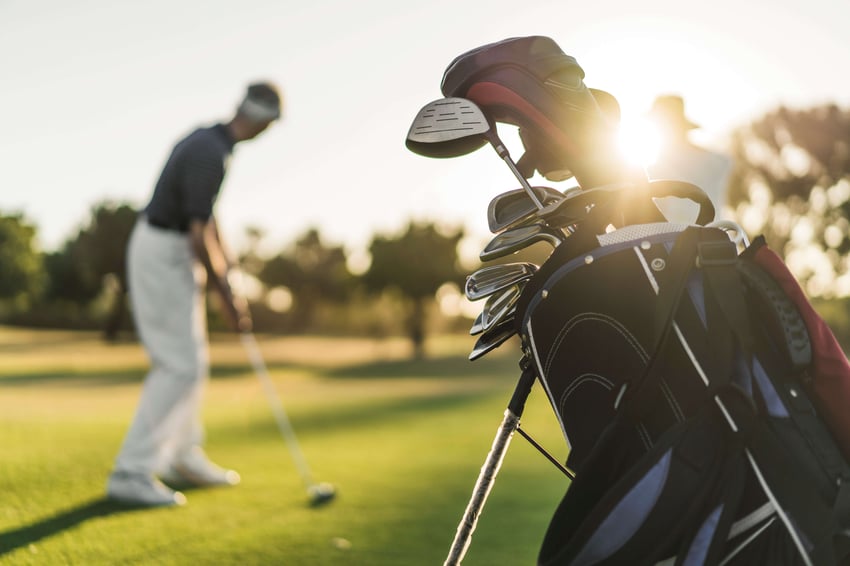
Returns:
<point x="639" y="142"/>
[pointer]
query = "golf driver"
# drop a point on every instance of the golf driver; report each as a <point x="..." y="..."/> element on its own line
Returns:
<point x="450" y="127"/>
<point x="319" y="493"/>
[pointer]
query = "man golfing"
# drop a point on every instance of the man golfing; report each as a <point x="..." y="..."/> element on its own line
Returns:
<point x="174" y="250"/>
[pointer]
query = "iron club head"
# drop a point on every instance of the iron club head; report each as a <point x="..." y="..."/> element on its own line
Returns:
<point x="515" y="239"/>
<point x="514" y="208"/>
<point x="493" y="278"/>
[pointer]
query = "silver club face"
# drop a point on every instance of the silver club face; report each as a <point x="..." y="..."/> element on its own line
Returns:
<point x="500" y="307"/>
<point x="514" y="208"/>
<point x="448" y="127"/>
<point x="492" y="339"/>
<point x="489" y="280"/>
<point x="515" y="239"/>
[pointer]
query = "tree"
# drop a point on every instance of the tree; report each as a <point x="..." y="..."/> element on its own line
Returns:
<point x="415" y="265"/>
<point x="313" y="272"/>
<point x="792" y="183"/>
<point x="22" y="274"/>
<point x="95" y="256"/>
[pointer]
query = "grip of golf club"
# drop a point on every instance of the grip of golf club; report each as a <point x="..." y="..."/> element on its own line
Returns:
<point x="482" y="488"/>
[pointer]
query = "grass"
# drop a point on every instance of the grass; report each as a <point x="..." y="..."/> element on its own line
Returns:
<point x="403" y="442"/>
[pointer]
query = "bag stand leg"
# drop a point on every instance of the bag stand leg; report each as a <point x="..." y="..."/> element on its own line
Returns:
<point x="491" y="466"/>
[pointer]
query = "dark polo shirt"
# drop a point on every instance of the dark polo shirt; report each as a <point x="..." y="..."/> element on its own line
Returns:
<point x="191" y="179"/>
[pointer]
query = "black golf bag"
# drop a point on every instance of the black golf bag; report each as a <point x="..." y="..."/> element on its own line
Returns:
<point x="706" y="405"/>
<point x="678" y="370"/>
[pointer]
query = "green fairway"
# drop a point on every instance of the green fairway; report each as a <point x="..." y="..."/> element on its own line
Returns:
<point x="403" y="442"/>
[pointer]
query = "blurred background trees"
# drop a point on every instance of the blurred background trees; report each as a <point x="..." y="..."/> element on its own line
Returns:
<point x="22" y="274"/>
<point x="415" y="265"/>
<point x="791" y="183"/>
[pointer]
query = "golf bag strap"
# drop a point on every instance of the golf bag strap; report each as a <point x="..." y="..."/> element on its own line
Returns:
<point x="693" y="247"/>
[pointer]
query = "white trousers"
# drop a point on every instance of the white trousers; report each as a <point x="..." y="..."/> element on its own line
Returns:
<point x="166" y="288"/>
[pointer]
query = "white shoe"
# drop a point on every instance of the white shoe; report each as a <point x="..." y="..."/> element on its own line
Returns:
<point x="140" y="489"/>
<point x="194" y="469"/>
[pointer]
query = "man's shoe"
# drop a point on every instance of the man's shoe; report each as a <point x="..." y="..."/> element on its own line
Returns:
<point x="194" y="469"/>
<point x="142" y="490"/>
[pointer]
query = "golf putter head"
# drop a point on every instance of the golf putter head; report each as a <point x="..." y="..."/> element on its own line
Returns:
<point x="493" y="278"/>
<point x="514" y="208"/>
<point x="448" y="127"/>
<point x="512" y="240"/>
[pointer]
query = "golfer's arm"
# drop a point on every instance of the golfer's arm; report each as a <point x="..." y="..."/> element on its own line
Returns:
<point x="229" y="259"/>
<point x="207" y="248"/>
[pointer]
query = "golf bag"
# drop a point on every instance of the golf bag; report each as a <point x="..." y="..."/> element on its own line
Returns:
<point x="704" y="402"/>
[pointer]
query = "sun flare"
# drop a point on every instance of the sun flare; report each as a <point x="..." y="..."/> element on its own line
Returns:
<point x="639" y="142"/>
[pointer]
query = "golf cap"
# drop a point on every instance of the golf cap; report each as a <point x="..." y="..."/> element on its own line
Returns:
<point x="262" y="102"/>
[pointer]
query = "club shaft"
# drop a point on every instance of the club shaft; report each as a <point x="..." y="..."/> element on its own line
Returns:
<point x="283" y="423"/>
<point x="482" y="488"/>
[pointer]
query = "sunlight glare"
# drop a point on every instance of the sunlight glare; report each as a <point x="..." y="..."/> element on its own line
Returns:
<point x="639" y="142"/>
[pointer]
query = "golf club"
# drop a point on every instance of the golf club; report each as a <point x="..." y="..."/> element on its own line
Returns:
<point x="454" y="126"/>
<point x="491" y="279"/>
<point x="490" y="316"/>
<point x="319" y="493"/>
<point x="515" y="239"/>
<point x="492" y="463"/>
<point x="514" y="208"/>
<point x="492" y="339"/>
<point x="500" y="306"/>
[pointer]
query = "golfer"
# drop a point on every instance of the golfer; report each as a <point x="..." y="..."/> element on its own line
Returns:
<point x="681" y="159"/>
<point x="175" y="249"/>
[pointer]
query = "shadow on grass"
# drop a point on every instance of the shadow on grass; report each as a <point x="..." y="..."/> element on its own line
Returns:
<point x="24" y="536"/>
<point x="105" y="377"/>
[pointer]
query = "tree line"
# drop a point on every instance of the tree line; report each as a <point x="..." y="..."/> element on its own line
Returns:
<point x="791" y="182"/>
<point x="305" y="287"/>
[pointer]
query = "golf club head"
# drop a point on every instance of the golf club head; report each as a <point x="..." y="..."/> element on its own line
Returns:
<point x="448" y="127"/>
<point x="500" y="306"/>
<point x="515" y="207"/>
<point x="493" y="278"/>
<point x="492" y="339"/>
<point x="477" y="325"/>
<point x="321" y="494"/>
<point x="515" y="239"/>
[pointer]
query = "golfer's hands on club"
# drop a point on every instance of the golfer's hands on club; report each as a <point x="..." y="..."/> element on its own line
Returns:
<point x="235" y="305"/>
<point x="224" y="271"/>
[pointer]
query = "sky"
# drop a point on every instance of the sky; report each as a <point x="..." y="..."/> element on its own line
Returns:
<point x="95" y="92"/>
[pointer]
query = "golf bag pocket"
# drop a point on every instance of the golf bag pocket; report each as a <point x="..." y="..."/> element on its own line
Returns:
<point x="619" y="511"/>
<point x="589" y="327"/>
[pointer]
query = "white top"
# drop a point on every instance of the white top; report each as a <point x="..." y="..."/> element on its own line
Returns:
<point x="708" y="170"/>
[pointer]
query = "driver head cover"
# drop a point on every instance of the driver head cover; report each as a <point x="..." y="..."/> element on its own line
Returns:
<point x="566" y="128"/>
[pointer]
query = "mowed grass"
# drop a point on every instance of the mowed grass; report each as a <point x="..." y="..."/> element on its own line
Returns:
<point x="402" y="441"/>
